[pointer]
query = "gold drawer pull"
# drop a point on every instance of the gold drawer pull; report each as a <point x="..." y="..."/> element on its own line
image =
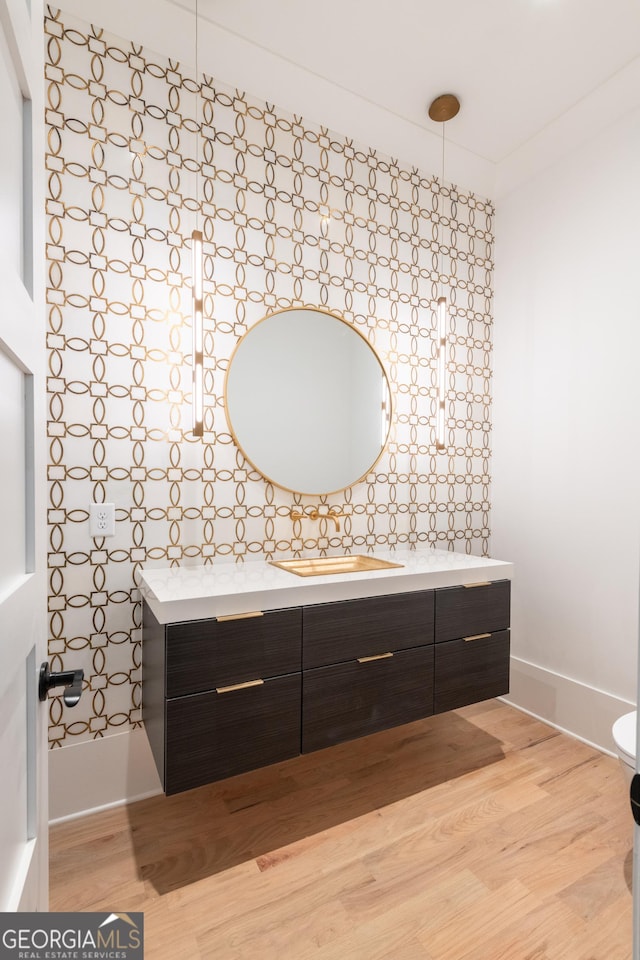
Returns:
<point x="240" y="616"/>
<point x="240" y="686"/>
<point x="378" y="656"/>
<point x="477" y="636"/>
<point x="481" y="583"/>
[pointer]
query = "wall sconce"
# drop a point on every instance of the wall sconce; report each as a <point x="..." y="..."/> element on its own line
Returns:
<point x="442" y="370"/>
<point x="197" y="373"/>
<point x="443" y="108"/>
<point x="197" y="400"/>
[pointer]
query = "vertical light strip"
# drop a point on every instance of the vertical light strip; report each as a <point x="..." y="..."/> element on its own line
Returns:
<point x="442" y="371"/>
<point x="198" y="357"/>
<point x="197" y="394"/>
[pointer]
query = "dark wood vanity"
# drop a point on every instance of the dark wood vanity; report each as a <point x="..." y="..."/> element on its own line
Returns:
<point x="225" y="695"/>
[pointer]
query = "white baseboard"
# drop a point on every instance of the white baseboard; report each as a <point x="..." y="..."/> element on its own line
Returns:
<point x="568" y="705"/>
<point x="98" y="774"/>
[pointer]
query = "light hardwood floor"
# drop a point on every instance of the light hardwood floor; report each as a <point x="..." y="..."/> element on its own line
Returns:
<point x="475" y="835"/>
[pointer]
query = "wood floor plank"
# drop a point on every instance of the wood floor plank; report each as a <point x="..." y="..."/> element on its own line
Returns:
<point x="596" y="891"/>
<point x="608" y="934"/>
<point x="413" y="900"/>
<point x="294" y="925"/>
<point x="459" y="934"/>
<point x="548" y="932"/>
<point x="453" y="838"/>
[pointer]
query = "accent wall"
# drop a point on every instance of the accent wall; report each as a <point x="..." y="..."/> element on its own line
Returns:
<point x="292" y="213"/>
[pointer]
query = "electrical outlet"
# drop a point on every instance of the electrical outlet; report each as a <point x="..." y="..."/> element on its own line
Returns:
<point x="102" y="520"/>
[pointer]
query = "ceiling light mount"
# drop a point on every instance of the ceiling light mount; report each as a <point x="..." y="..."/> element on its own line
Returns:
<point x="444" y="107"/>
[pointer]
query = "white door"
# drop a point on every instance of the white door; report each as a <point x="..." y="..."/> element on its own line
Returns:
<point x="635" y="883"/>
<point x="23" y="757"/>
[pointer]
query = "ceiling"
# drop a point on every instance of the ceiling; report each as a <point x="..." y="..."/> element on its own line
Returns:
<point x="537" y="79"/>
<point x="516" y="65"/>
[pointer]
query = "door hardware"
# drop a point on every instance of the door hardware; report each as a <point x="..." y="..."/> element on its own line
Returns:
<point x="70" y="679"/>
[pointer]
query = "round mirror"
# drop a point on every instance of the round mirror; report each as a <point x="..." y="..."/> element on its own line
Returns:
<point x="308" y="401"/>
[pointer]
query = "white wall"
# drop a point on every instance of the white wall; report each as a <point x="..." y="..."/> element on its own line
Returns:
<point x="566" y="437"/>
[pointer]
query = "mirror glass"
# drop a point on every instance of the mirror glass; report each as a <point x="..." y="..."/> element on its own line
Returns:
<point x="308" y="401"/>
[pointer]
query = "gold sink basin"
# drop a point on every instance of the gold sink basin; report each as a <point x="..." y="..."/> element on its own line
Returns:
<point x="322" y="566"/>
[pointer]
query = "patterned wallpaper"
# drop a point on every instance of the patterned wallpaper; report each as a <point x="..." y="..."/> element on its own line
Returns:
<point x="292" y="214"/>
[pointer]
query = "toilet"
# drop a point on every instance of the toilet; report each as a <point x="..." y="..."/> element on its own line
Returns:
<point x="624" y="735"/>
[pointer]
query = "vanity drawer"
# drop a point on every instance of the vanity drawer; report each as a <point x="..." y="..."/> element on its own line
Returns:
<point x="353" y="699"/>
<point x="465" y="611"/>
<point x="467" y="671"/>
<point x="336" y="632"/>
<point x="202" y="654"/>
<point x="211" y="736"/>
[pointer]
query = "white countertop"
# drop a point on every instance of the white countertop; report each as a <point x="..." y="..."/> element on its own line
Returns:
<point x="222" y="588"/>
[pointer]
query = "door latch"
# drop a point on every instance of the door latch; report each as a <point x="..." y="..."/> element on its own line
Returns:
<point x="70" y="679"/>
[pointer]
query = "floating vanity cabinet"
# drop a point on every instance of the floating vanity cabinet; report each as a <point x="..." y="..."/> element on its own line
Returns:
<point x="221" y="696"/>
<point x="367" y="665"/>
<point x="472" y="644"/>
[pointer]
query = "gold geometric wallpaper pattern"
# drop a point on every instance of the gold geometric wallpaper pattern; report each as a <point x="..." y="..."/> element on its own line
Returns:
<point x="292" y="214"/>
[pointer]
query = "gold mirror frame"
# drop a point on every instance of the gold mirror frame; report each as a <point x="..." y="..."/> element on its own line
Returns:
<point x="294" y="368"/>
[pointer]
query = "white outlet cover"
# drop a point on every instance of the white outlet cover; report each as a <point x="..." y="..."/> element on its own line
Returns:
<point x="102" y="520"/>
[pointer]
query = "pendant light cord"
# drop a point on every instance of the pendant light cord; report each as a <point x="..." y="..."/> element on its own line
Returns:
<point x="197" y="125"/>
<point x="441" y="210"/>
